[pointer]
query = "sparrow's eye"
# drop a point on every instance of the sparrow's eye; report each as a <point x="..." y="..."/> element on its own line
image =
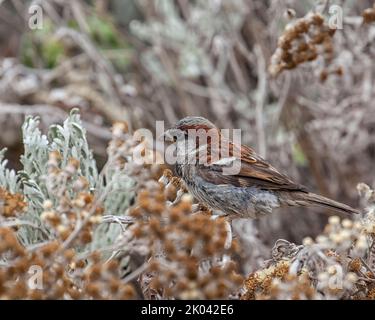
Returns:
<point x="174" y="138"/>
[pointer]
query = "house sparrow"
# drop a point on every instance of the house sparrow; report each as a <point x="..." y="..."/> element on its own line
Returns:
<point x="254" y="190"/>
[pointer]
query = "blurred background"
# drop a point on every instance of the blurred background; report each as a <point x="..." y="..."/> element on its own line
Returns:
<point x="143" y="60"/>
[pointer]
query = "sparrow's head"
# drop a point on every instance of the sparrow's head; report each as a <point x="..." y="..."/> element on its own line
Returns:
<point x="194" y="123"/>
<point x="181" y="128"/>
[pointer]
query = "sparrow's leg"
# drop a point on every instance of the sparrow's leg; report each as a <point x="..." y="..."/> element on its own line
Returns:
<point x="228" y="229"/>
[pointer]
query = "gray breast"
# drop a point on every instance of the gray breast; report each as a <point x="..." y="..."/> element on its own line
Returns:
<point x="250" y="202"/>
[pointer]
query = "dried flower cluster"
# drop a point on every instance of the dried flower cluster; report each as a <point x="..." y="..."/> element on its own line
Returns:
<point x="75" y="213"/>
<point x="276" y="281"/>
<point x="369" y="15"/>
<point x="11" y="204"/>
<point x="304" y="40"/>
<point x="50" y="237"/>
<point x="338" y="264"/>
<point x="49" y="271"/>
<point x="49" y="228"/>
<point x="189" y="252"/>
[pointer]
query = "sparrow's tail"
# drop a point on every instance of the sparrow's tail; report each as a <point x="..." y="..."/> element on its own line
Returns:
<point x="312" y="199"/>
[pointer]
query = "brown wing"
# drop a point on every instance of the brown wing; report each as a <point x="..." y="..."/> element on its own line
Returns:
<point x="253" y="171"/>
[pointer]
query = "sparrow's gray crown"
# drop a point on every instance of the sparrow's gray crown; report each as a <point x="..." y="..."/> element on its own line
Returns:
<point x="192" y="122"/>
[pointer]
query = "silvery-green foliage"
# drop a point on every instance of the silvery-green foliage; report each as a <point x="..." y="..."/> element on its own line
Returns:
<point x="119" y="192"/>
<point x="116" y="202"/>
<point x="8" y="178"/>
<point x="70" y="141"/>
<point x="36" y="148"/>
<point x="27" y="181"/>
<point x="104" y="236"/>
<point x="34" y="161"/>
<point x="113" y="188"/>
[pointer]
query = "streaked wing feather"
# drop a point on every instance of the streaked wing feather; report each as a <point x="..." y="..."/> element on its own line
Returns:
<point x="254" y="171"/>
